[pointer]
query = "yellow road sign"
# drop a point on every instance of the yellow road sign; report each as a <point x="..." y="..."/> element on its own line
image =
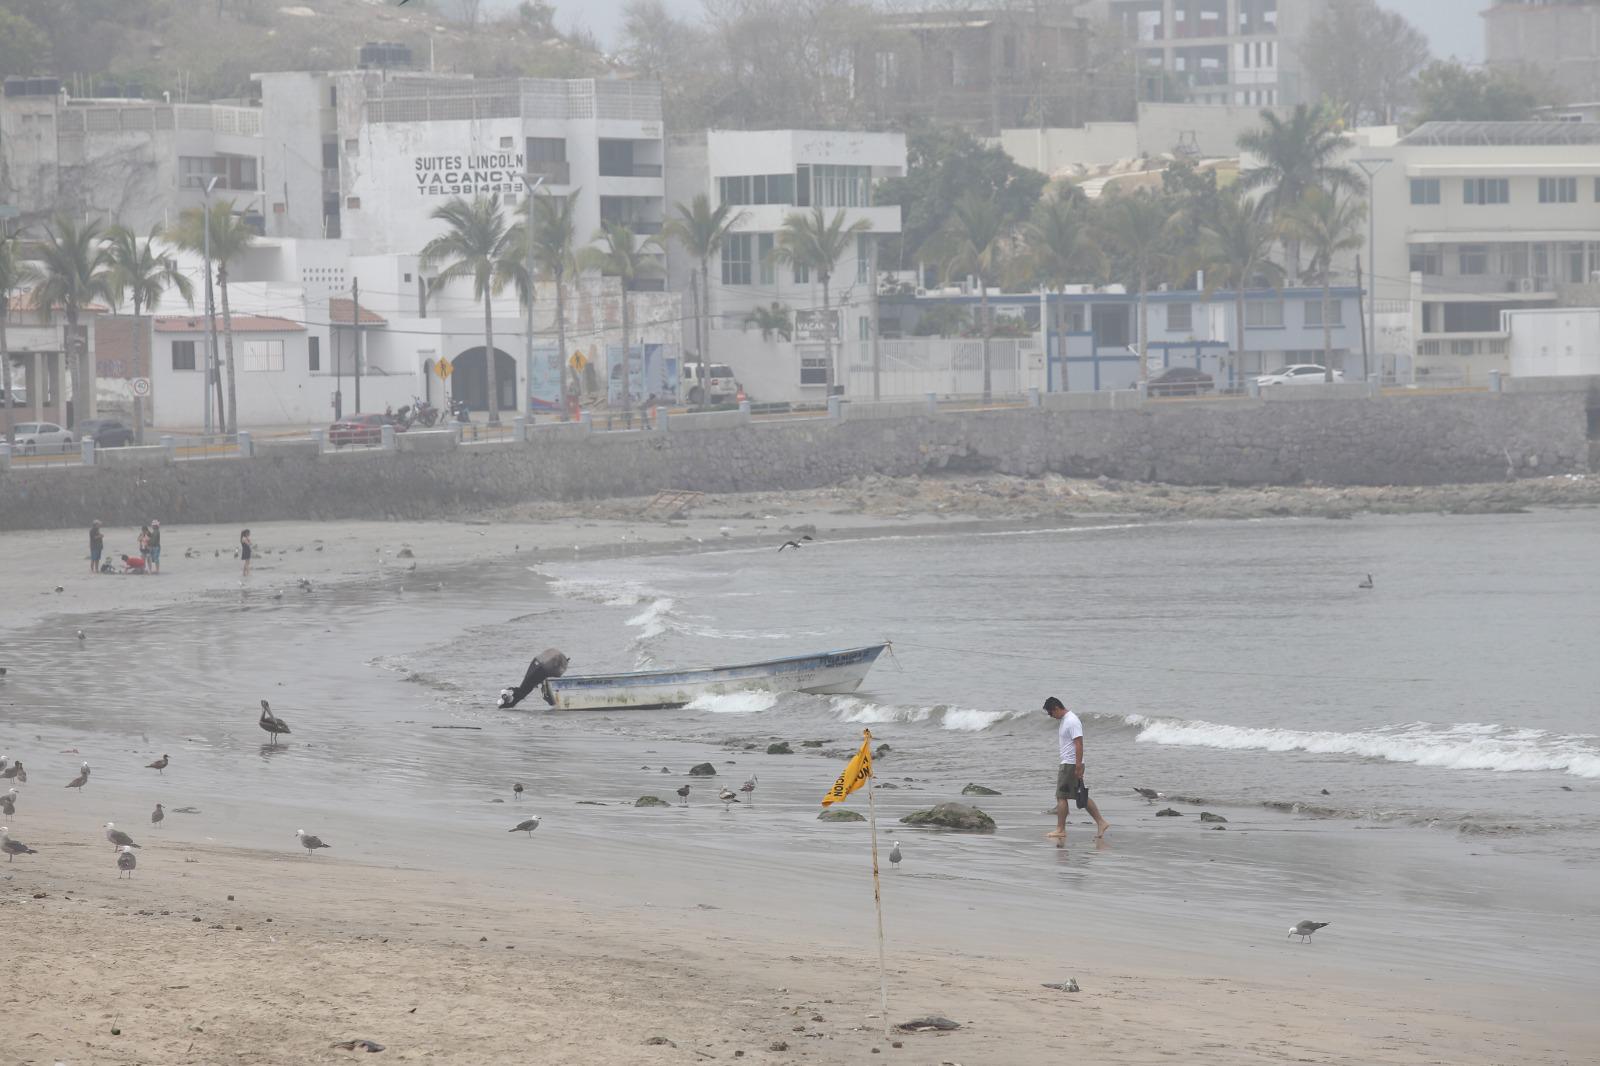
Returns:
<point x="578" y="361"/>
<point x="443" y="369"/>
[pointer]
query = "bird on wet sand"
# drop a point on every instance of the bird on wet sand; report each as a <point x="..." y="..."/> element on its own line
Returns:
<point x="157" y="816"/>
<point x="272" y="723"/>
<point x="1150" y="794"/>
<point x="749" y="786"/>
<point x="81" y="635"/>
<point x="118" y="838"/>
<point x="1367" y="584"/>
<point x="13" y="848"/>
<point x="307" y="841"/>
<point x="516" y="791"/>
<point x="1304" y="929"/>
<point x="894" y="856"/>
<point x="527" y="825"/>
<point x="160" y="764"/>
<point x="14" y="772"/>
<point x="683" y="794"/>
<point x="126" y="861"/>
<point x="81" y="780"/>
<point x="8" y="803"/>
<point x="727" y="796"/>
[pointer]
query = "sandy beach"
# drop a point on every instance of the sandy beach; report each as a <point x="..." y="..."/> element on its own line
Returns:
<point x="229" y="945"/>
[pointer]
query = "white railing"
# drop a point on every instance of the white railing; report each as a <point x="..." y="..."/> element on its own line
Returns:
<point x="916" y="366"/>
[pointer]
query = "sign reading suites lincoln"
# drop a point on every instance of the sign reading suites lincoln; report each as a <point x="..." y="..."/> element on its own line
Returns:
<point x="469" y="175"/>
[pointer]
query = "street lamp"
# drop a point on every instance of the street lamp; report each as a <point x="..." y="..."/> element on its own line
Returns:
<point x="527" y="236"/>
<point x="1370" y="168"/>
<point x="211" y="316"/>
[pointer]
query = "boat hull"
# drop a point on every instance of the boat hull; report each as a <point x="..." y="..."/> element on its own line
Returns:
<point x="823" y="673"/>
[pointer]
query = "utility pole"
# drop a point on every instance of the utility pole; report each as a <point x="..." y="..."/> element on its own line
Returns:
<point x="355" y="320"/>
<point x="534" y="181"/>
<point x="211" y="313"/>
<point x="1370" y="168"/>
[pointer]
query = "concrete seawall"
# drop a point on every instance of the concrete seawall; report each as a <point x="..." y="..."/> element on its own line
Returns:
<point x="1534" y="430"/>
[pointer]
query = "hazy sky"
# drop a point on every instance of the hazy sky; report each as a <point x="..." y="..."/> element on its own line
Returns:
<point x="1453" y="26"/>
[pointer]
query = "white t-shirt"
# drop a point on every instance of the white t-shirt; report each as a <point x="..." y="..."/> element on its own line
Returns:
<point x="1071" y="729"/>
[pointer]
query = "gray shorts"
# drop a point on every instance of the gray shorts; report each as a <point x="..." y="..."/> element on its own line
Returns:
<point x="1069" y="787"/>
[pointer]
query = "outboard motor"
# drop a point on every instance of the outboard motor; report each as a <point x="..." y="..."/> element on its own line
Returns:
<point x="547" y="664"/>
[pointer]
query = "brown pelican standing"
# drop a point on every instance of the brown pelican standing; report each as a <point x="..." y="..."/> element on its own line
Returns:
<point x="272" y="723"/>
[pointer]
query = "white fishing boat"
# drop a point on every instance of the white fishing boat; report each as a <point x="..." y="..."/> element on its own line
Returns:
<point x="823" y="672"/>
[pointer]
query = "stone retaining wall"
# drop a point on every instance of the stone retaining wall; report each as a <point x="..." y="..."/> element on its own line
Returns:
<point x="1341" y="440"/>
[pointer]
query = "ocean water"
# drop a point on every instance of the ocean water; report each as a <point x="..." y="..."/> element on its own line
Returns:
<point x="1418" y="762"/>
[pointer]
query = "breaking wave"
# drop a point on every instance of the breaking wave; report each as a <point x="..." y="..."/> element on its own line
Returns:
<point x="957" y="719"/>
<point x="734" y="703"/>
<point x="655" y="619"/>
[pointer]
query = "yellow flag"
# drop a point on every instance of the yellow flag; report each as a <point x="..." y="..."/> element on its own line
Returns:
<point x="855" y="773"/>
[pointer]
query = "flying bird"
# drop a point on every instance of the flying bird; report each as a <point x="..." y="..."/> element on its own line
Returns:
<point x="1304" y="929"/>
<point x="795" y="544"/>
<point x="271" y="722"/>
<point x="683" y="794"/>
<point x="126" y="861"/>
<point x="527" y="825"/>
<point x="118" y="838"/>
<point x="1367" y="584"/>
<point x="894" y="856"/>
<point x="157" y="816"/>
<point x="13" y="848"/>
<point x="81" y="780"/>
<point x="307" y="841"/>
<point x="160" y="764"/>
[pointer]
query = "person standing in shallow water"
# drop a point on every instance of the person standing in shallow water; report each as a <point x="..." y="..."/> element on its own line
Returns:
<point x="97" y="544"/>
<point x="244" y="551"/>
<point x="1069" y="779"/>
<point x="154" y="553"/>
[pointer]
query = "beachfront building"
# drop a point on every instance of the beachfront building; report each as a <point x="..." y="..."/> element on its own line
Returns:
<point x="1220" y="51"/>
<point x="40" y="372"/>
<point x="368" y="155"/>
<point x="1477" y="218"/>
<point x="765" y="176"/>
<point x="1558" y="38"/>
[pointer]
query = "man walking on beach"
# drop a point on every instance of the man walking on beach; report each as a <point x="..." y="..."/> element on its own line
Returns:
<point x="97" y="543"/>
<point x="1069" y="779"/>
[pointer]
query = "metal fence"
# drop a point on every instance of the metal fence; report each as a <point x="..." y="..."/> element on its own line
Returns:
<point x="914" y="367"/>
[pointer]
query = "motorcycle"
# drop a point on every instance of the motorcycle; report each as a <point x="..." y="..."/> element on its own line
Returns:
<point x="424" y="413"/>
<point x="458" y="408"/>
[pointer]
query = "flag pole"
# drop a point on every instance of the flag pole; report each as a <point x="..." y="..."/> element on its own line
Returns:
<point x="877" y="892"/>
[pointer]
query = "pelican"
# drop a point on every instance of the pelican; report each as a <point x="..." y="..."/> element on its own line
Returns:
<point x="272" y="723"/>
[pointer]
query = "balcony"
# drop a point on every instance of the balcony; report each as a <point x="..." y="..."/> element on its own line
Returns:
<point x="1476" y="286"/>
<point x="554" y="171"/>
<point x="1464" y="345"/>
<point x="630" y="170"/>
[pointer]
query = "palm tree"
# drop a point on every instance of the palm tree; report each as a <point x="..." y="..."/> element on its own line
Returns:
<point x="1234" y="248"/>
<point x="138" y="272"/>
<point x="74" y="269"/>
<point x="619" y="254"/>
<point x="16" y="274"/>
<point x="476" y="244"/>
<point x="1296" y="155"/>
<point x="813" y="241"/>
<point x="973" y="242"/>
<point x="771" y="321"/>
<point x="1060" y="249"/>
<point x="1138" y="228"/>
<point x="229" y="239"/>
<point x="555" y="239"/>
<point x="1329" y="224"/>
<point x="701" y="231"/>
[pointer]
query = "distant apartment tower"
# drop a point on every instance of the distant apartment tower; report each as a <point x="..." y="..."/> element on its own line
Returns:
<point x="982" y="68"/>
<point x="1219" y="51"/>
<point x="368" y="155"/>
<point x="1559" y="37"/>
<point x="131" y="161"/>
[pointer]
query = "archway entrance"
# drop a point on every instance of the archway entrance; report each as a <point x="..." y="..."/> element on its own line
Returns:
<point x="469" y="380"/>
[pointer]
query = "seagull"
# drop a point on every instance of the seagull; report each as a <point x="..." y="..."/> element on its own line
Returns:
<point x="118" y="838"/>
<point x="795" y="544"/>
<point x="14" y="772"/>
<point x="156" y="816"/>
<point x="894" y="856"/>
<point x="527" y="825"/>
<point x="80" y="635"/>
<point x="126" y="861"/>
<point x="1367" y="584"/>
<point x="307" y="841"/>
<point x="727" y="796"/>
<point x="1150" y="794"/>
<point x="61" y="588"/>
<point x="516" y="790"/>
<point x="13" y="848"/>
<point x="160" y="764"/>
<point x="1304" y="929"/>
<point x="8" y="803"/>
<point x="81" y="780"/>
<point x="683" y="794"/>
<point x="749" y="786"/>
<point x="272" y="723"/>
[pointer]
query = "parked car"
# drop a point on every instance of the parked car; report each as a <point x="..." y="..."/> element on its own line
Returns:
<point x="106" y="432"/>
<point x="707" y="383"/>
<point x="33" y="438"/>
<point x="1300" y="374"/>
<point x="1181" y="381"/>
<point x="358" y="429"/>
<point x="17" y="397"/>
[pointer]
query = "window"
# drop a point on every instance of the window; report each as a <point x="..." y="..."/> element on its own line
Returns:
<point x="864" y="328"/>
<point x="1472" y="259"/>
<point x="1314" y="312"/>
<point x="1008" y="47"/>
<point x="261" y="356"/>
<point x="353" y="203"/>
<point x="1484" y="191"/>
<point x="330" y="154"/>
<point x="756" y="189"/>
<point x="736" y="259"/>
<point x="351" y="145"/>
<point x="1263" y="313"/>
<point x="802" y="274"/>
<point x="802" y="185"/>
<point x="183" y="355"/>
<point x="1180" y="318"/>
<point x="813" y="369"/>
<point x="769" y="271"/>
<point x="195" y="170"/>
<point x="616" y="158"/>
<point x="314" y="353"/>
<point x="863" y="259"/>
<point x="506" y="142"/>
<point x="1424" y="190"/>
<point x="1558" y="190"/>
<point x="1425" y="259"/>
<point x="841" y="186"/>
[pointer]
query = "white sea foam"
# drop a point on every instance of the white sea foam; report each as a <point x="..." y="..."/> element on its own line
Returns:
<point x="654" y="620"/>
<point x="1464" y="746"/>
<point x="956" y="719"/>
<point x="609" y="592"/>
<point x="734" y="703"/>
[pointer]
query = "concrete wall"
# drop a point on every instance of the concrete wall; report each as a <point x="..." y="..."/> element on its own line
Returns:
<point x="1540" y="427"/>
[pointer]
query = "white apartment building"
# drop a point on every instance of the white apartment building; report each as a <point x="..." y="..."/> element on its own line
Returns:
<point x="136" y="162"/>
<point x="368" y="155"/>
<point x="1220" y="51"/>
<point x="766" y="176"/>
<point x="1476" y="218"/>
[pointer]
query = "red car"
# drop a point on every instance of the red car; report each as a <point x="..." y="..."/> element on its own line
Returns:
<point x="358" y="429"/>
